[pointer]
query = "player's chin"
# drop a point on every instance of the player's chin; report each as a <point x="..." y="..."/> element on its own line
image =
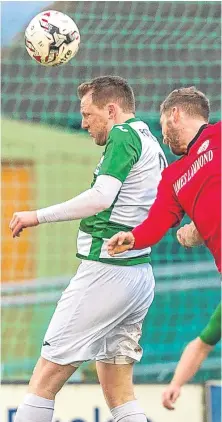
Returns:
<point x="100" y="141"/>
<point x="176" y="151"/>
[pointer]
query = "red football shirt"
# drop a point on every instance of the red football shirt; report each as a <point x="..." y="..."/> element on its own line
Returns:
<point x="190" y="185"/>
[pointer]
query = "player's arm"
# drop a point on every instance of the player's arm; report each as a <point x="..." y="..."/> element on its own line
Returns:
<point x="188" y="236"/>
<point x="165" y="213"/>
<point x="120" y="155"/>
<point x="194" y="354"/>
<point x="90" y="202"/>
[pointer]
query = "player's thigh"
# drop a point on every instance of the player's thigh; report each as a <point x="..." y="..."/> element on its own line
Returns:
<point x="49" y="377"/>
<point x="116" y="382"/>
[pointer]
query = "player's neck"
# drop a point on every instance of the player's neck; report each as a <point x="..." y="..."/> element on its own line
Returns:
<point x="123" y="117"/>
<point x="191" y="129"/>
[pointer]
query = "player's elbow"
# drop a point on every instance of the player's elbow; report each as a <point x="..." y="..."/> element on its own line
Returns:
<point x="105" y="202"/>
<point x="106" y="190"/>
<point x="103" y="199"/>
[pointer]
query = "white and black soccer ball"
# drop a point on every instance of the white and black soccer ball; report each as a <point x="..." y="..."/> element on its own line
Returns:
<point x="52" y="38"/>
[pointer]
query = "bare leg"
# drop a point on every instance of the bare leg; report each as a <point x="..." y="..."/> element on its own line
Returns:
<point x="117" y="385"/>
<point x="46" y="381"/>
<point x="116" y="382"/>
<point x="48" y="378"/>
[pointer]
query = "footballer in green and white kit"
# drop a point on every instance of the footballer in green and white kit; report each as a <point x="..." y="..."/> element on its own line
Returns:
<point x="134" y="157"/>
<point x="100" y="314"/>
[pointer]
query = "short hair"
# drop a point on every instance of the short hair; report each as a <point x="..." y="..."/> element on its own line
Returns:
<point x="109" y="88"/>
<point x="192" y="101"/>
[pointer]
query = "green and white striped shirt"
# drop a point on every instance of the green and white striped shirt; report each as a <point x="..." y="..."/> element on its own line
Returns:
<point x="133" y="156"/>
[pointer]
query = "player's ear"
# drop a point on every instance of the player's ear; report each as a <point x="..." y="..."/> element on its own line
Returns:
<point x="175" y="114"/>
<point x="111" y="111"/>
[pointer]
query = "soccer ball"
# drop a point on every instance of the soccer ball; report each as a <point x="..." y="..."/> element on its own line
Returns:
<point x="52" y="38"/>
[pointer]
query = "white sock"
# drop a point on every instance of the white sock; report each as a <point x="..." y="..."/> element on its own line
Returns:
<point x="129" y="412"/>
<point x="35" y="409"/>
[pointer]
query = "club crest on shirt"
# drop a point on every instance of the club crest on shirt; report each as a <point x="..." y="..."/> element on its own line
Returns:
<point x="203" y="147"/>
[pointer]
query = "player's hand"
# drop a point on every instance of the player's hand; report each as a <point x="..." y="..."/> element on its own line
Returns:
<point x="170" y="396"/>
<point x="21" y="220"/>
<point x="188" y="236"/>
<point x="120" y="242"/>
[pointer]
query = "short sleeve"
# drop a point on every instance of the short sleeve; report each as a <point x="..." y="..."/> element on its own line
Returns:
<point x="211" y="334"/>
<point x="123" y="150"/>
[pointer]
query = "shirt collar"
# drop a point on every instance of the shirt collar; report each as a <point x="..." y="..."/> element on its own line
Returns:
<point x="196" y="137"/>
<point x="133" y="119"/>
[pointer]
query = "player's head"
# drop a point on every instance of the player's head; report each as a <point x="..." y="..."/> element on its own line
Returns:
<point x="104" y="102"/>
<point x="182" y="112"/>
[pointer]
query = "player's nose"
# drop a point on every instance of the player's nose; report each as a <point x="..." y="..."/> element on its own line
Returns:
<point x="84" y="124"/>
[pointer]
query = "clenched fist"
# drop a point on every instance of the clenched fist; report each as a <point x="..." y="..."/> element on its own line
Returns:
<point x="21" y="220"/>
<point x="188" y="236"/>
<point x="120" y="242"/>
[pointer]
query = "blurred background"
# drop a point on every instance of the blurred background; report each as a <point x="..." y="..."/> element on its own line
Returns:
<point x="47" y="158"/>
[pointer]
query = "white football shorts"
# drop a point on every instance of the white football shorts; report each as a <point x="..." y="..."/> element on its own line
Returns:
<point x="100" y="315"/>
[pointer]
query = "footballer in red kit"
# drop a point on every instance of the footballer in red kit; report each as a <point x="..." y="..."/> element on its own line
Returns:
<point x="190" y="185"/>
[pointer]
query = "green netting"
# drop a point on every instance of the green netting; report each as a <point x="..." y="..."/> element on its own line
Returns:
<point x="157" y="46"/>
<point x="166" y="332"/>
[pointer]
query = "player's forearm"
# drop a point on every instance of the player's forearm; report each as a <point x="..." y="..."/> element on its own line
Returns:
<point x="193" y="356"/>
<point x="81" y="206"/>
<point x="88" y="203"/>
<point x="165" y="213"/>
<point x="152" y="230"/>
